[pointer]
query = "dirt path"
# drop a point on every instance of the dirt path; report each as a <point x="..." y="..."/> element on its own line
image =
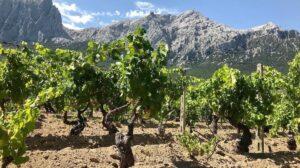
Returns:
<point x="50" y="146"/>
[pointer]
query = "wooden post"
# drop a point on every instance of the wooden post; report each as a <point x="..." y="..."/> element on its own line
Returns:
<point x="182" y="112"/>
<point x="262" y="140"/>
<point x="182" y="109"/>
<point x="2" y="110"/>
<point x="260" y="130"/>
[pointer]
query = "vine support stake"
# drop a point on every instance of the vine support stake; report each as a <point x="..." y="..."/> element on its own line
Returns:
<point x="260" y="130"/>
<point x="182" y="113"/>
<point x="182" y="107"/>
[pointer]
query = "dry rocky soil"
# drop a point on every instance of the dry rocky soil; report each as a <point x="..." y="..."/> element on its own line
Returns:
<point x="50" y="146"/>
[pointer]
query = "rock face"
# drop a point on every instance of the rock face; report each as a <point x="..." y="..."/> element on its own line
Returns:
<point x="195" y="40"/>
<point x="29" y="20"/>
<point x="204" y="45"/>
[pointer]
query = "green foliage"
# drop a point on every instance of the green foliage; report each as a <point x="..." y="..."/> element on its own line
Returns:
<point x="255" y="100"/>
<point x="293" y="93"/>
<point x="16" y="80"/>
<point x="268" y="89"/>
<point x="196" y="102"/>
<point x="142" y="72"/>
<point x="70" y="81"/>
<point x="225" y="94"/>
<point x="175" y="84"/>
<point x="18" y="112"/>
<point x="14" y="131"/>
<point x="194" y="146"/>
<point x="284" y="98"/>
<point x="30" y="78"/>
<point x="130" y="71"/>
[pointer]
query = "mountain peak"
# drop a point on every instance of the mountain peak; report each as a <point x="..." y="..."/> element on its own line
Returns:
<point x="192" y="13"/>
<point x="151" y="15"/>
<point x="267" y="26"/>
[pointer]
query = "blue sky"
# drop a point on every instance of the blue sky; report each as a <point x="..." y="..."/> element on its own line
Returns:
<point x="240" y="14"/>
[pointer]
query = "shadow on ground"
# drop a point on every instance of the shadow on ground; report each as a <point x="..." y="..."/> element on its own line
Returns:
<point x="180" y="163"/>
<point x="51" y="142"/>
<point x="280" y="158"/>
<point x="153" y="125"/>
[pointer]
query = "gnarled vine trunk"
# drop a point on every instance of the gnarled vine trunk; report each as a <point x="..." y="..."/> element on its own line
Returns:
<point x="66" y="121"/>
<point x="2" y="109"/>
<point x="107" y="121"/>
<point x="78" y="125"/>
<point x="291" y="142"/>
<point x="91" y="114"/>
<point x="123" y="143"/>
<point x="6" y="161"/>
<point x="48" y="107"/>
<point x="161" y="130"/>
<point x="243" y="143"/>
<point x="267" y="128"/>
<point x="214" y="124"/>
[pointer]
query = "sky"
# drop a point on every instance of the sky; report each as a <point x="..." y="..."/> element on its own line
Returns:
<point x="239" y="14"/>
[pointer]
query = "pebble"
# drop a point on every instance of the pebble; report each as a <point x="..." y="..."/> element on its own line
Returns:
<point x="46" y="157"/>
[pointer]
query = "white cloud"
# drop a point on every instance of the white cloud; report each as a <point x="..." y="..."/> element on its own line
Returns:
<point x="118" y="13"/>
<point x="63" y="7"/>
<point x="115" y="13"/>
<point x="144" y="5"/>
<point x="144" y="9"/>
<point x="80" y="19"/>
<point x="72" y="26"/>
<point x="165" y="10"/>
<point x="72" y="15"/>
<point x="137" y="13"/>
<point x="76" y="18"/>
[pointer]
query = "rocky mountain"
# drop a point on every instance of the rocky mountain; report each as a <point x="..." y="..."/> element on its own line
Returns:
<point x="30" y="20"/>
<point x="195" y="40"/>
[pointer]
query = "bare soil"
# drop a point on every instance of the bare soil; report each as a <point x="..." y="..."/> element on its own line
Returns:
<point x="51" y="146"/>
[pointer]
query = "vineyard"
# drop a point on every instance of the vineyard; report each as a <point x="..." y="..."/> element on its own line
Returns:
<point x="118" y="104"/>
